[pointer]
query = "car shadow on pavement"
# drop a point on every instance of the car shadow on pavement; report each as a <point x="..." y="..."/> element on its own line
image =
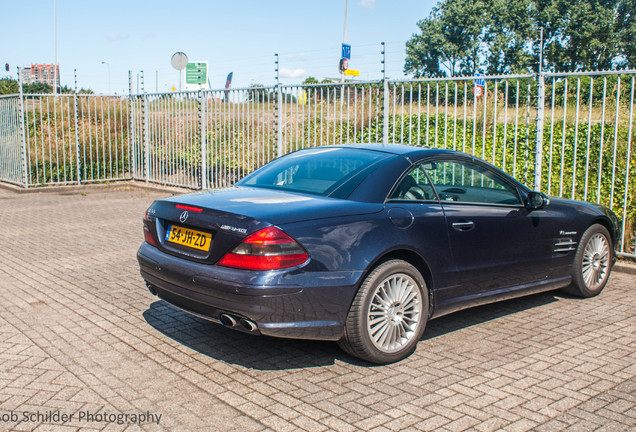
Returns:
<point x="481" y="314"/>
<point x="269" y="353"/>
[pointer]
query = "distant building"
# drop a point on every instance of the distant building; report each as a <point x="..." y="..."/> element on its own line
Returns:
<point x="41" y="73"/>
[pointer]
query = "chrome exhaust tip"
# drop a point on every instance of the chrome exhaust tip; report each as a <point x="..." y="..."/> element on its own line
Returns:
<point x="228" y="320"/>
<point x="152" y="289"/>
<point x="248" y="325"/>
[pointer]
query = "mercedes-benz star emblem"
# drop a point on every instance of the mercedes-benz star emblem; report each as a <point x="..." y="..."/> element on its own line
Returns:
<point x="184" y="216"/>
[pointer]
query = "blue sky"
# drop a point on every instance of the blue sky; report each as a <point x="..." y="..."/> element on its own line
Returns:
<point x="239" y="36"/>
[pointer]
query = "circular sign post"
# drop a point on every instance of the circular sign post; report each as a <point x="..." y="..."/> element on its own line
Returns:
<point x="179" y="61"/>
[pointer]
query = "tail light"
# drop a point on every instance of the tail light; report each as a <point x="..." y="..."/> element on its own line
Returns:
<point x="266" y="249"/>
<point x="147" y="234"/>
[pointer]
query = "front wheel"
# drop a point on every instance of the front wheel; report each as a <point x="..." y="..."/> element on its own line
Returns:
<point x="592" y="262"/>
<point x="388" y="315"/>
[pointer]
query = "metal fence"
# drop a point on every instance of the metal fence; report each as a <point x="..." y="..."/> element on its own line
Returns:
<point x="566" y="134"/>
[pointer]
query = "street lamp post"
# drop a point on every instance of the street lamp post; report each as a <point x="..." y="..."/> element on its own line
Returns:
<point x="54" y="47"/>
<point x="108" y="66"/>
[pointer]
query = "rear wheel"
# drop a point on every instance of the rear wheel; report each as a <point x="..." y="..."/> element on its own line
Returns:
<point x="388" y="315"/>
<point x="592" y="262"/>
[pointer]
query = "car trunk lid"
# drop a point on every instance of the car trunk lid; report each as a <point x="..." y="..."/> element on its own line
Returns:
<point x="204" y="226"/>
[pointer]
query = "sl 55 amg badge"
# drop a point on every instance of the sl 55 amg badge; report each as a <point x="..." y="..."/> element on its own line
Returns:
<point x="233" y="229"/>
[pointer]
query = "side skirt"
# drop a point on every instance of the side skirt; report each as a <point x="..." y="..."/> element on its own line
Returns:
<point x="501" y="295"/>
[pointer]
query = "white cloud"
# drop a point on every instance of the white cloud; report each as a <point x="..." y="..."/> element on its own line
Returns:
<point x="369" y="4"/>
<point x="117" y="36"/>
<point x="298" y="57"/>
<point x="296" y="73"/>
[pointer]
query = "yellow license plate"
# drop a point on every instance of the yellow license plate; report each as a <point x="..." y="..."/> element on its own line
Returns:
<point x="189" y="237"/>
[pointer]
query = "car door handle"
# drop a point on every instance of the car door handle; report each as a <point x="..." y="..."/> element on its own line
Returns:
<point x="463" y="226"/>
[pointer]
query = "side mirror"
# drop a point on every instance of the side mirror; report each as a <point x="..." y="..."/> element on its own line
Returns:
<point x="536" y="201"/>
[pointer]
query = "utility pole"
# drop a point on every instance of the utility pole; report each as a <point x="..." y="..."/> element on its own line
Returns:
<point x="541" y="52"/>
<point x="77" y="142"/>
<point x="344" y="37"/>
<point x="108" y="68"/>
<point x="54" y="47"/>
<point x="277" y="113"/>
<point x="383" y="61"/>
<point x="385" y="99"/>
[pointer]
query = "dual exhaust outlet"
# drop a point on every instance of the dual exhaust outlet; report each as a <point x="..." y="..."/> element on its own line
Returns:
<point x="231" y="321"/>
<point x="238" y="323"/>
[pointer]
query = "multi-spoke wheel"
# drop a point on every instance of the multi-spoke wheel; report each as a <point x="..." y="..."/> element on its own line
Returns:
<point x="388" y="315"/>
<point x="592" y="262"/>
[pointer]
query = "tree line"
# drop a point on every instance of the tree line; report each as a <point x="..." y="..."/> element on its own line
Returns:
<point x="10" y="86"/>
<point x="464" y="37"/>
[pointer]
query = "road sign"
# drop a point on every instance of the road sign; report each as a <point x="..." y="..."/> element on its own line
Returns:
<point x="346" y="51"/>
<point x="179" y="60"/>
<point x="352" y="72"/>
<point x="480" y="83"/>
<point x="343" y="65"/>
<point x="197" y="73"/>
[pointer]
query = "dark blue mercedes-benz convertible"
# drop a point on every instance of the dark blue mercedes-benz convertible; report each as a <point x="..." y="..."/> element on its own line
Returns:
<point x="363" y="244"/>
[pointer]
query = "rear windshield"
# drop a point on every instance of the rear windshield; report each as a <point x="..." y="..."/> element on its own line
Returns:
<point x="315" y="171"/>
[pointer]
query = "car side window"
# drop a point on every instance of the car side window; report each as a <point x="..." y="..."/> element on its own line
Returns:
<point x="415" y="186"/>
<point x="467" y="182"/>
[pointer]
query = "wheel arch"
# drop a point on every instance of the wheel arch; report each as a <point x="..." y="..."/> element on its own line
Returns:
<point x="416" y="260"/>
<point x="609" y="226"/>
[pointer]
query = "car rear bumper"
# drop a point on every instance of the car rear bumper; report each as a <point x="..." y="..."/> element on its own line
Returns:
<point x="290" y="303"/>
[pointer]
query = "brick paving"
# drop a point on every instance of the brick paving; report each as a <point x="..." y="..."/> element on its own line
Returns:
<point x="81" y="335"/>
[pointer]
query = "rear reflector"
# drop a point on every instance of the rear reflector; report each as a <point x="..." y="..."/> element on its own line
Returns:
<point x="147" y="234"/>
<point x="189" y="208"/>
<point x="266" y="249"/>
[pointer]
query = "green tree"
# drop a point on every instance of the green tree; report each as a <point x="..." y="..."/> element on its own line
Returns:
<point x="502" y="36"/>
<point x="34" y="88"/>
<point x="9" y="86"/>
<point x="450" y="42"/>
<point x="580" y="34"/>
<point x="626" y="12"/>
<point x="510" y="28"/>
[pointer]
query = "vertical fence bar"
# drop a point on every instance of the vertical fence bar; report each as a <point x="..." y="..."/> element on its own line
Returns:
<point x="132" y="144"/>
<point x="204" y="150"/>
<point x="23" y="151"/>
<point x="616" y="123"/>
<point x="627" y="168"/>
<point x="600" y="152"/>
<point x="551" y="135"/>
<point x="494" y="122"/>
<point x="385" y="111"/>
<point x="563" y="133"/>
<point x="77" y="142"/>
<point x="538" y="157"/>
<point x="576" y="135"/>
<point x="146" y="138"/>
<point x="589" y="136"/>
<point x="279" y="122"/>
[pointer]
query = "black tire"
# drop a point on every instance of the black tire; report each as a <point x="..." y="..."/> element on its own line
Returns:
<point x="592" y="262"/>
<point x="395" y="294"/>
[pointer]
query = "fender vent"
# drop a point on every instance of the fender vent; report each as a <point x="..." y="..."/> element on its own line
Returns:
<point x="564" y="246"/>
